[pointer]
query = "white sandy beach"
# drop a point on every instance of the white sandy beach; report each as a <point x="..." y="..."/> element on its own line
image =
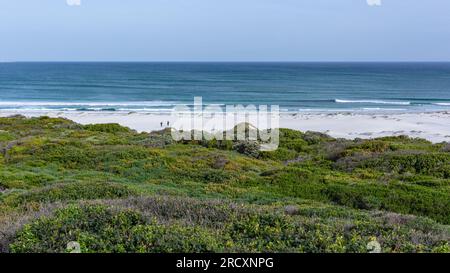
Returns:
<point x="433" y="126"/>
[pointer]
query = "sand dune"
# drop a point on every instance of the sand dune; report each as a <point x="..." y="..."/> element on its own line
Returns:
<point x="433" y="126"/>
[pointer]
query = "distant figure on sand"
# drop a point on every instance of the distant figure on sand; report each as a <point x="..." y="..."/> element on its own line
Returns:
<point x="168" y="123"/>
<point x="161" y="124"/>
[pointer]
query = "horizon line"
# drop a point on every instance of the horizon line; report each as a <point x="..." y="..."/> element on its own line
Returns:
<point x="234" y="61"/>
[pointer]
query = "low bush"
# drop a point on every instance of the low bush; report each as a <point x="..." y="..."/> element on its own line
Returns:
<point x="394" y="196"/>
<point x="215" y="176"/>
<point x="434" y="164"/>
<point x="71" y="191"/>
<point x="314" y="194"/>
<point x="248" y="148"/>
<point x="98" y="229"/>
<point x="280" y="154"/>
<point x="106" y="128"/>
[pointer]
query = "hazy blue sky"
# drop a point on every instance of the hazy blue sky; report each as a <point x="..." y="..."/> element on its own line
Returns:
<point x="224" y="30"/>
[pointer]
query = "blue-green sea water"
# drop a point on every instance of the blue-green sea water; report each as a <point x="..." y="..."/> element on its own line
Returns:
<point x="153" y="87"/>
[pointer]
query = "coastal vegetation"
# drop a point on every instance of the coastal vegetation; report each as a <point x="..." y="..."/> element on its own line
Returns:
<point x="112" y="189"/>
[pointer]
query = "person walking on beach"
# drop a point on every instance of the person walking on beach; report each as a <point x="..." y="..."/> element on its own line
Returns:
<point x="161" y="123"/>
<point x="168" y="123"/>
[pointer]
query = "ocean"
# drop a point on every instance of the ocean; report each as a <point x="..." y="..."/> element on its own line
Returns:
<point x="157" y="87"/>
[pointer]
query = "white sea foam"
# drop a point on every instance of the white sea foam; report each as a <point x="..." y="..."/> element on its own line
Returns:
<point x="373" y="101"/>
<point x="156" y="110"/>
<point x="88" y="104"/>
<point x="89" y="109"/>
<point x="382" y="109"/>
<point x="442" y="103"/>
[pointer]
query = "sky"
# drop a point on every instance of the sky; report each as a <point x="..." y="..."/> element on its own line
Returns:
<point x="224" y="30"/>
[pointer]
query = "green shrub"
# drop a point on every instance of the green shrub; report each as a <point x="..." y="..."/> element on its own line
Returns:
<point x="266" y="232"/>
<point x="289" y="134"/>
<point x="248" y="148"/>
<point x="98" y="229"/>
<point x="397" y="197"/>
<point x="6" y="136"/>
<point x="72" y="191"/>
<point x="107" y="128"/>
<point x="165" y="225"/>
<point x="394" y="197"/>
<point x="216" y="176"/>
<point x="121" y="153"/>
<point x="435" y="164"/>
<point x="280" y="154"/>
<point x="345" y="192"/>
<point x="69" y="155"/>
<point x="298" y="145"/>
<point x="374" y="146"/>
<point x="315" y="138"/>
<point x="13" y="178"/>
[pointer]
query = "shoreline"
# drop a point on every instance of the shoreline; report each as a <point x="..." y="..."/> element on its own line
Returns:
<point x="433" y="126"/>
